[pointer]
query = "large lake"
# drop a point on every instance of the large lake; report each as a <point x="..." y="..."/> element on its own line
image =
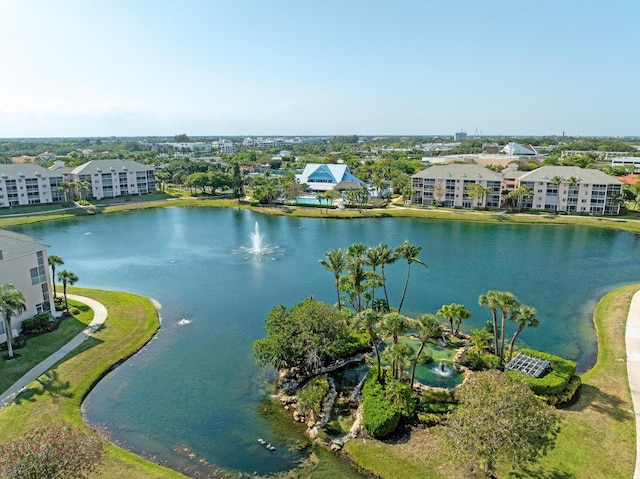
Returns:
<point x="195" y="389"/>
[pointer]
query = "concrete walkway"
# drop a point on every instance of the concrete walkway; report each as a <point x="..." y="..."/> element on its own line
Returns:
<point x="632" y="339"/>
<point x="99" y="316"/>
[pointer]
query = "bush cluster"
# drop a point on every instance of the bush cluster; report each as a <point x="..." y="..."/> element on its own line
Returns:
<point x="40" y="323"/>
<point x="559" y="385"/>
<point x="380" y="417"/>
<point x="435" y="406"/>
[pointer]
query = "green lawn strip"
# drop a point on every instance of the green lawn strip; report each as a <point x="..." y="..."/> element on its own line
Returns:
<point x="40" y="347"/>
<point x="598" y="435"/>
<point x="57" y="395"/>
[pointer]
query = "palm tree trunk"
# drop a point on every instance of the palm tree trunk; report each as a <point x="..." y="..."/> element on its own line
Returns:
<point x="495" y="331"/>
<point x="415" y="362"/>
<point x="502" y="334"/>
<point x="7" y="329"/>
<point x="513" y="340"/>
<point x="406" y="283"/>
<point x="384" y="286"/>
<point x="338" y="291"/>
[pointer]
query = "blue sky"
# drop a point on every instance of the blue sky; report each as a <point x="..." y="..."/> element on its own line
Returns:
<point x="256" y="67"/>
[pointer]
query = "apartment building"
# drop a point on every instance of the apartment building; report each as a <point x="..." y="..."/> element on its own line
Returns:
<point x="447" y="184"/>
<point x="28" y="184"/>
<point x="24" y="263"/>
<point x="112" y="178"/>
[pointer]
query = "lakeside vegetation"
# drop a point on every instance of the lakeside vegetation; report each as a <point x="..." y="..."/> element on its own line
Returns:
<point x="601" y="399"/>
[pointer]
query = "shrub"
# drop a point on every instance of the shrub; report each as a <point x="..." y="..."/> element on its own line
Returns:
<point x="555" y="384"/>
<point x="380" y="417"/>
<point x="52" y="451"/>
<point x="40" y="323"/>
<point x="311" y="396"/>
<point x="18" y="342"/>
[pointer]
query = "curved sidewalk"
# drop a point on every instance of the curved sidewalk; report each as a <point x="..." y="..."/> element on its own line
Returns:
<point x="632" y="340"/>
<point x="99" y="317"/>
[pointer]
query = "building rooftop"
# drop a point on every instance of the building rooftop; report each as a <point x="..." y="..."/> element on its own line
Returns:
<point x="14" y="245"/>
<point x="583" y="175"/>
<point x="13" y="171"/>
<point x="458" y="172"/>
<point x="107" y="165"/>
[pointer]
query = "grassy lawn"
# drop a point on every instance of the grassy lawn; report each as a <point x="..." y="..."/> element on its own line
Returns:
<point x="40" y="347"/>
<point x="57" y="395"/>
<point x="598" y="436"/>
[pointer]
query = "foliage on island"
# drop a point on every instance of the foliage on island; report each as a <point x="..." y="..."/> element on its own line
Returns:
<point x="307" y="336"/>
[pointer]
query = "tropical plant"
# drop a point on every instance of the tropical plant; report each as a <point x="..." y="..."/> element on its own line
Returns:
<point x="398" y="355"/>
<point x="490" y="300"/>
<point x="473" y="192"/>
<point x="393" y="324"/>
<point x="311" y="396"/>
<point x="66" y="278"/>
<point x="428" y="327"/>
<point x="12" y="303"/>
<point x="523" y="316"/>
<point x="54" y="260"/>
<point x="409" y="252"/>
<point x="335" y="263"/>
<point x="367" y="320"/>
<point x="386" y="257"/>
<point x="506" y="302"/>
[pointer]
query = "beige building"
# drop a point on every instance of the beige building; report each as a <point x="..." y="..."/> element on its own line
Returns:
<point x="28" y="184"/>
<point x="569" y="189"/>
<point x="447" y="184"/>
<point x="24" y="263"/>
<point x="112" y="178"/>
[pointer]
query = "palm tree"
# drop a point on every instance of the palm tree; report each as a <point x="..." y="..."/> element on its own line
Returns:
<point x="428" y="327"/>
<point x="367" y="319"/>
<point x="355" y="268"/>
<point x="410" y="252"/>
<point x="374" y="258"/>
<point x="54" y="260"/>
<point x="447" y="311"/>
<point x="461" y="313"/>
<point x="394" y="324"/>
<point x="506" y="302"/>
<point x="398" y="355"/>
<point x="386" y="257"/>
<point x="335" y="263"/>
<point x="557" y="180"/>
<point x="490" y="300"/>
<point x="12" y="303"/>
<point x="66" y="278"/>
<point x="525" y="316"/>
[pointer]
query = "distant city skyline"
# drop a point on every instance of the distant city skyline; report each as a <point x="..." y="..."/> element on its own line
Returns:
<point x="211" y="68"/>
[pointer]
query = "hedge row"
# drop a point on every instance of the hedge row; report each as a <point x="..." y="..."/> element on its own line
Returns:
<point x="555" y="384"/>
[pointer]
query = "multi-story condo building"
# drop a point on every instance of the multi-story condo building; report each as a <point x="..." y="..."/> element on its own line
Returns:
<point x="111" y="178"/>
<point x="28" y="184"/>
<point x="24" y="263"/>
<point x="570" y="189"/>
<point x="447" y="184"/>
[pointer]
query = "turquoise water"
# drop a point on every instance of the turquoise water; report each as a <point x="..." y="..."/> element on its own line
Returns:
<point x="312" y="201"/>
<point x="196" y="389"/>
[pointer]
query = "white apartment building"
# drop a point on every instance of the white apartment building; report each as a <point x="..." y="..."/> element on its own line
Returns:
<point x="447" y="184"/>
<point x="24" y="263"/>
<point x="112" y="178"/>
<point x="28" y="184"/>
<point x="571" y="189"/>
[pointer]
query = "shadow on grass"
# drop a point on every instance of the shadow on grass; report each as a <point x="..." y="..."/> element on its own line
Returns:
<point x="527" y="473"/>
<point x="50" y="384"/>
<point x="603" y="403"/>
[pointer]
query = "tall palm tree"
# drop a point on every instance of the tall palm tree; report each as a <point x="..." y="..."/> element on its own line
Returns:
<point x="66" y="278"/>
<point x="447" y="311"/>
<point x="12" y="303"/>
<point x="525" y="316"/>
<point x="54" y="260"/>
<point x="506" y="302"/>
<point x="355" y="268"/>
<point x="374" y="258"/>
<point x="367" y="319"/>
<point x="490" y="300"/>
<point x="398" y="355"/>
<point x="386" y="257"/>
<point x="409" y="252"/>
<point x="428" y="327"/>
<point x="335" y="262"/>
<point x="461" y="313"/>
<point x="557" y="180"/>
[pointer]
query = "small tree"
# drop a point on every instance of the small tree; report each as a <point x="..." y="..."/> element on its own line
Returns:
<point x="54" y="260"/>
<point x="66" y="278"/>
<point x="499" y="419"/>
<point x="12" y="303"/>
<point x="52" y="451"/>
